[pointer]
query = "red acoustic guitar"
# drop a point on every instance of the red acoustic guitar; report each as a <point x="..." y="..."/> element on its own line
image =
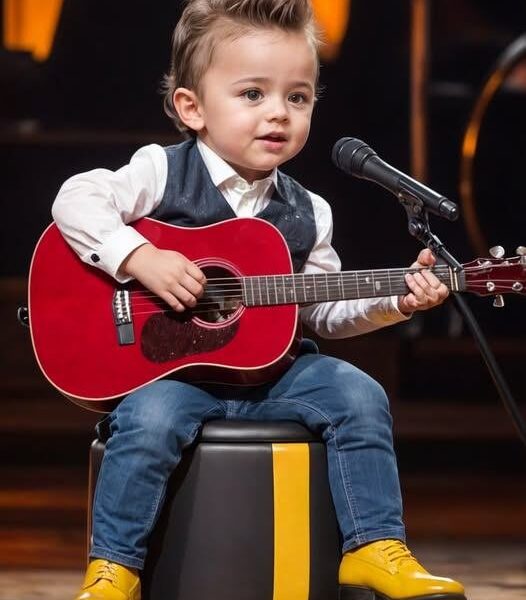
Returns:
<point x="96" y="340"/>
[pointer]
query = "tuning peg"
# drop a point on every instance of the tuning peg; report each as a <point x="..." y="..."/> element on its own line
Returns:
<point x="521" y="250"/>
<point x="498" y="302"/>
<point x="497" y="251"/>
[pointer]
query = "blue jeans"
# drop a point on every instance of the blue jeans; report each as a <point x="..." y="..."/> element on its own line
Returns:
<point x="151" y="427"/>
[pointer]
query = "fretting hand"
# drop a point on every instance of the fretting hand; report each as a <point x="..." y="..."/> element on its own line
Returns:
<point x="426" y="290"/>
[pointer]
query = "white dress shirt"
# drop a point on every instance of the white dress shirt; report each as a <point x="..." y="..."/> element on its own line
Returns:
<point x="93" y="210"/>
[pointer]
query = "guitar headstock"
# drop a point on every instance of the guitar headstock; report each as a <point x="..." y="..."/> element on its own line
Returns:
<point x="497" y="275"/>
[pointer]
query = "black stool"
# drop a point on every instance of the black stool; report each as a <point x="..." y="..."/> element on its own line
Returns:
<point x="248" y="516"/>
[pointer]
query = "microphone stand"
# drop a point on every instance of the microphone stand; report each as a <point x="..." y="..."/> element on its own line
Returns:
<point x="418" y="226"/>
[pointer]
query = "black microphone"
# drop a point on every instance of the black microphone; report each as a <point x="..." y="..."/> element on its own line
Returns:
<point x="355" y="157"/>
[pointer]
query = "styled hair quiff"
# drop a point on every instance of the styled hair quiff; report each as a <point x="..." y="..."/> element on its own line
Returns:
<point x="205" y="23"/>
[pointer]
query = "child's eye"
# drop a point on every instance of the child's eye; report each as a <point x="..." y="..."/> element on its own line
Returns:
<point x="297" y="98"/>
<point x="252" y="95"/>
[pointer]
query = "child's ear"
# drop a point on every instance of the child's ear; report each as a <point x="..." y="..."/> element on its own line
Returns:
<point x="188" y="108"/>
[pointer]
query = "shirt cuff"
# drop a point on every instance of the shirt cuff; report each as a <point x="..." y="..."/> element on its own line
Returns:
<point x="386" y="312"/>
<point x="110" y="255"/>
<point x="397" y="314"/>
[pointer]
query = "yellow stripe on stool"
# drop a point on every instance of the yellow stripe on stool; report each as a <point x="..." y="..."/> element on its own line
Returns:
<point x="291" y="521"/>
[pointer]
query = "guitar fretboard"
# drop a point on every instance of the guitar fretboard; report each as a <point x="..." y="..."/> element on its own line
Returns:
<point x="302" y="288"/>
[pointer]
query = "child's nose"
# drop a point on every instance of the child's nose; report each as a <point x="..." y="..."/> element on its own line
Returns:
<point x="278" y="110"/>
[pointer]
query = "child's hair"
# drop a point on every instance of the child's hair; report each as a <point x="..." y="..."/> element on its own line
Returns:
<point x="204" y="23"/>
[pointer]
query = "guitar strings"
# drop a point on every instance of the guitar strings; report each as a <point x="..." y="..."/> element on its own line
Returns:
<point x="326" y="283"/>
<point x="309" y="291"/>
<point x="308" y="281"/>
<point x="378" y="275"/>
<point x="302" y="278"/>
<point x="202" y="305"/>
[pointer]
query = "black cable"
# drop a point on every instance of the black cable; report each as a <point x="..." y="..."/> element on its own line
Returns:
<point x="496" y="374"/>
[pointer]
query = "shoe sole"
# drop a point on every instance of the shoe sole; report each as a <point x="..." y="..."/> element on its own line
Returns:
<point x="352" y="592"/>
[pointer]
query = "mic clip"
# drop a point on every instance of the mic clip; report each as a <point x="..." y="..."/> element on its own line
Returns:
<point x="418" y="227"/>
<point x="413" y="205"/>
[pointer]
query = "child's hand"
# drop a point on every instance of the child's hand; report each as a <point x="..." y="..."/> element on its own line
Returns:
<point x="170" y="275"/>
<point x="426" y="291"/>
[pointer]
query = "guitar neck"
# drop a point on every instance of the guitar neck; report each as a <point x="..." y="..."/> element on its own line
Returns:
<point x="310" y="288"/>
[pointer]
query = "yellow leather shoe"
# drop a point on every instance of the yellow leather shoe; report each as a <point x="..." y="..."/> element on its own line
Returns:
<point x="386" y="570"/>
<point x="107" y="580"/>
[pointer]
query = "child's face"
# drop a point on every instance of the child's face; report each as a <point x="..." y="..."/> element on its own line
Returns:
<point x="257" y="98"/>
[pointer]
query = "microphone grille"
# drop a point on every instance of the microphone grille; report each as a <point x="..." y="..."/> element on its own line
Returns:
<point x="350" y="154"/>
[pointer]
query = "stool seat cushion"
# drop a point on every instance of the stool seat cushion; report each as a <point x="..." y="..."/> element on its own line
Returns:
<point x="255" y="431"/>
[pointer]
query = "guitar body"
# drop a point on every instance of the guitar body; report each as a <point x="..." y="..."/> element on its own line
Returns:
<point x="73" y="320"/>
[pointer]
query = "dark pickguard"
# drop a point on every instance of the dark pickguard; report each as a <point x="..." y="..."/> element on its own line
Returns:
<point x="169" y="336"/>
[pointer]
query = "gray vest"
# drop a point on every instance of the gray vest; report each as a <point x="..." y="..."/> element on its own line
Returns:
<point x="192" y="200"/>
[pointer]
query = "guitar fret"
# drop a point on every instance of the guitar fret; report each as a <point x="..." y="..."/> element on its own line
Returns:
<point x="339" y="280"/>
<point x="453" y="281"/>
<point x="397" y="285"/>
<point x="369" y="280"/>
<point x="291" y="292"/>
<point x="347" y="284"/>
<point x="259" y="290"/>
<point x="377" y="284"/>
<point x="373" y="283"/>
<point x="252" y="302"/>
<point x="303" y="287"/>
<point x="244" y="298"/>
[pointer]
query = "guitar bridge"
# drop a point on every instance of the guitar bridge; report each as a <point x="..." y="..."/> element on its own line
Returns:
<point x="122" y="318"/>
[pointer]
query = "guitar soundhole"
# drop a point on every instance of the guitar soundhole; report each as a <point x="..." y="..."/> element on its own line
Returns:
<point x="222" y="298"/>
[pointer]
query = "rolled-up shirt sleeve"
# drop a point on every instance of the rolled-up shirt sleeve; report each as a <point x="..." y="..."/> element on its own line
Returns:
<point x="343" y="318"/>
<point x="93" y="209"/>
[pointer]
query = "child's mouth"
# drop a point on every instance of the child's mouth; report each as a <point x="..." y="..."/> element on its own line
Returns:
<point x="274" y="136"/>
<point x="273" y="139"/>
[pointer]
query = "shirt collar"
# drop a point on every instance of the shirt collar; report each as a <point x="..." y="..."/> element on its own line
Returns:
<point x="222" y="174"/>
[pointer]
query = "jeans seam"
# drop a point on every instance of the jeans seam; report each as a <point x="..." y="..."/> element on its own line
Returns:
<point x="346" y="479"/>
<point x="350" y="499"/>
<point x="156" y="505"/>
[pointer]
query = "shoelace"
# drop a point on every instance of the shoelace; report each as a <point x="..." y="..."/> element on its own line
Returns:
<point x="106" y="571"/>
<point x="397" y="552"/>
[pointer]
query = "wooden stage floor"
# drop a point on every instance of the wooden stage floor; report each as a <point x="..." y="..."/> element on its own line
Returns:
<point x="489" y="570"/>
<point x="468" y="527"/>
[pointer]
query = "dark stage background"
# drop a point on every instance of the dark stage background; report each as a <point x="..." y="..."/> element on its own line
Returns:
<point x="95" y="101"/>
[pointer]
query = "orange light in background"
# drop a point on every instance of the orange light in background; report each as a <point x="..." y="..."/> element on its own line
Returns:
<point x="29" y="25"/>
<point x="333" y="18"/>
